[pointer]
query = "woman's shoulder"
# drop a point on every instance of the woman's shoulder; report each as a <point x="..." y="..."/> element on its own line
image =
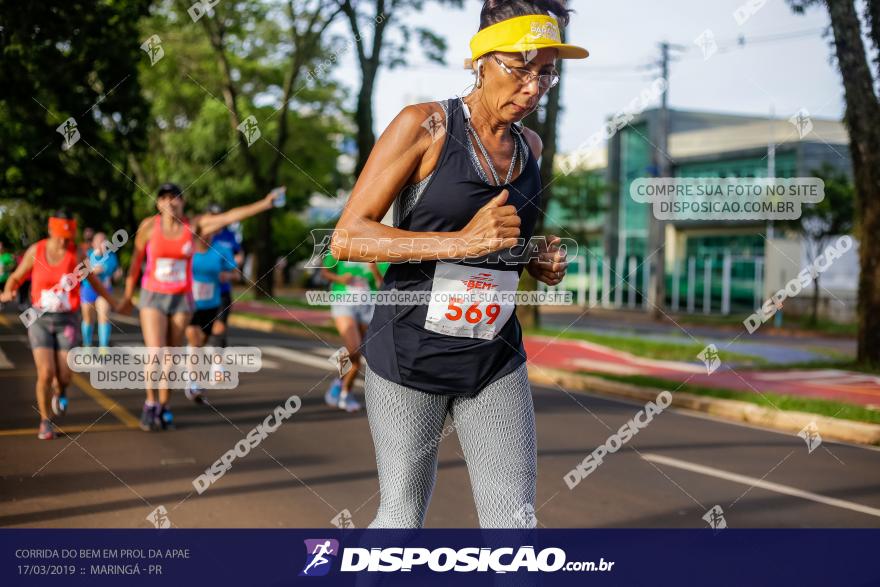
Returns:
<point x="423" y="116"/>
<point x="534" y="140"/>
<point x="147" y="223"/>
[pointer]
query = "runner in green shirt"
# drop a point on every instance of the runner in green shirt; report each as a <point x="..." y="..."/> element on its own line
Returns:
<point x="351" y="320"/>
<point x="7" y="264"/>
<point x="335" y="271"/>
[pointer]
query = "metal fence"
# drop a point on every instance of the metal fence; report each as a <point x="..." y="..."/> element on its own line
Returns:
<point x="708" y="285"/>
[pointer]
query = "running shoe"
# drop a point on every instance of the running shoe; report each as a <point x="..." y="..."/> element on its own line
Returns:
<point x="348" y="403"/>
<point x="47" y="430"/>
<point x="59" y="405"/>
<point x="166" y="418"/>
<point x="149" y="415"/>
<point x="331" y="398"/>
<point x="194" y="393"/>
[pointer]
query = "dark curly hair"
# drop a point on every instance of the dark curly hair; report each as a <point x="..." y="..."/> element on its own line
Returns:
<point x="494" y="11"/>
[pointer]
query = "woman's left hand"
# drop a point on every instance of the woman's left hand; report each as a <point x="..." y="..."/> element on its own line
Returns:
<point x="273" y="194"/>
<point x="550" y="266"/>
<point x="125" y="306"/>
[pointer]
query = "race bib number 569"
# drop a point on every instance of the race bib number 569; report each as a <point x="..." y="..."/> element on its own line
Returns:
<point x="468" y="301"/>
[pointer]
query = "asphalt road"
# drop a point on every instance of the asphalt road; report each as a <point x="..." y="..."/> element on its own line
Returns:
<point x="106" y="473"/>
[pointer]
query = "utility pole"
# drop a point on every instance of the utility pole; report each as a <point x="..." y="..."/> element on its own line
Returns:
<point x="656" y="228"/>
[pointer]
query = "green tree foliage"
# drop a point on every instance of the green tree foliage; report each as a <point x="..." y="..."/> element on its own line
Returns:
<point x="61" y="59"/>
<point x="387" y="43"/>
<point x="235" y="62"/>
<point x="852" y="36"/>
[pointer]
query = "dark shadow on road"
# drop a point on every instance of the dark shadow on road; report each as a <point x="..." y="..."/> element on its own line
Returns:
<point x="213" y="492"/>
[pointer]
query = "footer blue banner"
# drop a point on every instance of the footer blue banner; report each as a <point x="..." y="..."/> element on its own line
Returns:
<point x="436" y="557"/>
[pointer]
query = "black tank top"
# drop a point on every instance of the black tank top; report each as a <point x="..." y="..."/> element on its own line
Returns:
<point x="397" y="346"/>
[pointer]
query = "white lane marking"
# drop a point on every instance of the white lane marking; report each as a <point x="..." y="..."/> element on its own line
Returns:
<point x="298" y="357"/>
<point x="305" y="359"/>
<point x="5" y="363"/>
<point x="270" y="364"/>
<point x="768" y="485"/>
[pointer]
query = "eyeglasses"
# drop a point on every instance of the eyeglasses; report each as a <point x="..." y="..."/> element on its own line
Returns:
<point x="524" y="76"/>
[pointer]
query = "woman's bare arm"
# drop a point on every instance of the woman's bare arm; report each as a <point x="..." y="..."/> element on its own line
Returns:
<point x="137" y="258"/>
<point x="360" y="235"/>
<point x="207" y="224"/>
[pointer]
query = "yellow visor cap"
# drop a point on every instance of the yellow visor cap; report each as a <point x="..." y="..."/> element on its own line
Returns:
<point x="523" y="34"/>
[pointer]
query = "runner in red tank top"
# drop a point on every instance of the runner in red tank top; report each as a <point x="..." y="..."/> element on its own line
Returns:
<point x="53" y="320"/>
<point x="167" y="242"/>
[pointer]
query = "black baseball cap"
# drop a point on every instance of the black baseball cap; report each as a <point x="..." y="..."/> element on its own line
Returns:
<point x="169" y="188"/>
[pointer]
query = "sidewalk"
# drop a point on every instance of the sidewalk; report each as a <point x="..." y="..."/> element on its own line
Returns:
<point x="581" y="356"/>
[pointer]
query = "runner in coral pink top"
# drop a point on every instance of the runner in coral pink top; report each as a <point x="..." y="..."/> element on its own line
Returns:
<point x="167" y="242"/>
<point x="56" y="270"/>
<point x="46" y="276"/>
<point x="169" y="261"/>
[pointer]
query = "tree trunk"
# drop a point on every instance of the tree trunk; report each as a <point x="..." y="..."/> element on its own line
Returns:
<point x="546" y="129"/>
<point x="264" y="263"/>
<point x="363" y="118"/>
<point x="814" y="314"/>
<point x="863" y="121"/>
<point x="369" y="65"/>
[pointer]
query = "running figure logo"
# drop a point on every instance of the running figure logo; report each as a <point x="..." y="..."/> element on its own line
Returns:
<point x="715" y="518"/>
<point x="811" y="436"/>
<point x="706" y="42"/>
<point x="710" y="358"/>
<point x="319" y="554"/>
<point x="802" y="122"/>
<point x="153" y="48"/>
<point x="250" y="130"/>
<point x="70" y="131"/>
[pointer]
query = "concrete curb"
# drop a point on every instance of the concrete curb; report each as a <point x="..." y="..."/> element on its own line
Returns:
<point x="787" y="421"/>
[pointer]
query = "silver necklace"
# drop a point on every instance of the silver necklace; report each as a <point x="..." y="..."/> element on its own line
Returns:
<point x="467" y="118"/>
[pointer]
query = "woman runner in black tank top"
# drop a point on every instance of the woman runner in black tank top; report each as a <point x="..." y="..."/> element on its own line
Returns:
<point x="398" y="346"/>
<point x="458" y="348"/>
<point x="471" y="194"/>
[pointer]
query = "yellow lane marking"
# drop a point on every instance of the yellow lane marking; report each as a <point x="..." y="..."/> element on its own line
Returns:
<point x="105" y="402"/>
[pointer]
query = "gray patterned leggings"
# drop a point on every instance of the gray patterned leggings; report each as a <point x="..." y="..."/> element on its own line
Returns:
<point x="496" y="430"/>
